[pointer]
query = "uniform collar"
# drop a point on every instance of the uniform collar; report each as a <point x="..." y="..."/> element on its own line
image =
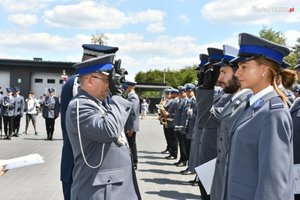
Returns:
<point x="239" y="93"/>
<point x="260" y="94"/>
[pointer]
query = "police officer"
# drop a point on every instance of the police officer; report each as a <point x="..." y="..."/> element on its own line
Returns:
<point x="196" y="131"/>
<point x="8" y="112"/>
<point x="103" y="167"/>
<point x="180" y="120"/>
<point x="69" y="90"/>
<point x="210" y="106"/>
<point x="1" y="99"/>
<point x="230" y="85"/>
<point x="19" y="110"/>
<point x="133" y="122"/>
<point x="260" y="157"/>
<point x="50" y="112"/>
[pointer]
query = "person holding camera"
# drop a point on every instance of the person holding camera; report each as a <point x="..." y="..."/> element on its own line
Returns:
<point x="102" y="160"/>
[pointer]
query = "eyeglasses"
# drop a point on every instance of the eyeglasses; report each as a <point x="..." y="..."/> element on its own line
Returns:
<point x="96" y="77"/>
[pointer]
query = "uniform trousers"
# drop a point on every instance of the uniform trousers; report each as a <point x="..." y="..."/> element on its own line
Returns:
<point x="50" y="123"/>
<point x="8" y="125"/>
<point x="167" y="139"/>
<point x="172" y="141"/>
<point x="17" y="120"/>
<point x="132" y="145"/>
<point x="182" y="146"/>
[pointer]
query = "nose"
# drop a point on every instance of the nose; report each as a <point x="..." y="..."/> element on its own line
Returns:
<point x="237" y="73"/>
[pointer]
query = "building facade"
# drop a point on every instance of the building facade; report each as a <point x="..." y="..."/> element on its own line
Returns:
<point x="34" y="75"/>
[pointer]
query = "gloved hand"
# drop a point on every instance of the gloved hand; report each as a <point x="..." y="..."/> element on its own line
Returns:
<point x="115" y="83"/>
<point x="211" y="77"/>
<point x="200" y="76"/>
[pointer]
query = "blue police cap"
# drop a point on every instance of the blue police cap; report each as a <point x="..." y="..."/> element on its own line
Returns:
<point x="17" y="89"/>
<point x="9" y="90"/>
<point x="50" y="90"/>
<point x="252" y="46"/>
<point x="214" y="55"/>
<point x="189" y="86"/>
<point x="174" y="91"/>
<point x="229" y="53"/>
<point x="130" y="82"/>
<point x="203" y="60"/>
<point x="96" y="50"/>
<point x="181" y="88"/>
<point x="99" y="64"/>
<point x="168" y="90"/>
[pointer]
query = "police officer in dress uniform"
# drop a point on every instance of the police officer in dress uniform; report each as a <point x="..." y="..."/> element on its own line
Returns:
<point x="8" y="112"/>
<point x="210" y="107"/>
<point x="230" y="85"/>
<point x="1" y="100"/>
<point x="170" y="107"/>
<point x="164" y="102"/>
<point x="103" y="166"/>
<point x="260" y="155"/>
<point x="50" y="112"/>
<point x="69" y="90"/>
<point x="19" y="110"/>
<point x="180" y="119"/>
<point x="132" y="125"/>
<point x="196" y="131"/>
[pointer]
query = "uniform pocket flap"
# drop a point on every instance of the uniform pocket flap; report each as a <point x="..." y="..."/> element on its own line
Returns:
<point x="109" y="177"/>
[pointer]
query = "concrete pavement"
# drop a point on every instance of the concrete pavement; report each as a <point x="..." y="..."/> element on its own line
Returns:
<point x="159" y="179"/>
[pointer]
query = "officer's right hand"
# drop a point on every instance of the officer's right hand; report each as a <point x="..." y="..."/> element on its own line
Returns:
<point x="200" y="76"/>
<point x="211" y="77"/>
<point x="115" y="83"/>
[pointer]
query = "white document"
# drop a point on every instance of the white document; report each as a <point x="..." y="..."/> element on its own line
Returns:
<point x="22" y="161"/>
<point x="296" y="171"/>
<point x="205" y="173"/>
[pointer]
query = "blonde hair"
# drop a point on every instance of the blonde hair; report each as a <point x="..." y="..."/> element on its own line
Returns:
<point x="276" y="74"/>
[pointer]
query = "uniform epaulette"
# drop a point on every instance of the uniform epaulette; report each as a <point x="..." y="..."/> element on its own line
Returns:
<point x="276" y="103"/>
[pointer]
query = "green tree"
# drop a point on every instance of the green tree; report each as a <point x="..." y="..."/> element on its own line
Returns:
<point x="99" y="38"/>
<point x="275" y="36"/>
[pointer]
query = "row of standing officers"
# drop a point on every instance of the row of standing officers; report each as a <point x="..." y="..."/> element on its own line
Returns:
<point x="249" y="126"/>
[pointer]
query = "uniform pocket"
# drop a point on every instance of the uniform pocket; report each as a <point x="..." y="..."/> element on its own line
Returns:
<point x="109" y="177"/>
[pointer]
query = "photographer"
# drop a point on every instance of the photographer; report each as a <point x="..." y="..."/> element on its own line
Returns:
<point x="31" y="108"/>
<point x="103" y="166"/>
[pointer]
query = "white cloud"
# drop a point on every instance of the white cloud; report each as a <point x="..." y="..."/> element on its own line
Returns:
<point x="250" y="12"/>
<point x="20" y="6"/>
<point x="291" y="37"/>
<point x="100" y="16"/>
<point x="23" y="19"/>
<point x="185" y="19"/>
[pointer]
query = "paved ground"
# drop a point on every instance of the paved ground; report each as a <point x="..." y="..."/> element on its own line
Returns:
<point x="158" y="178"/>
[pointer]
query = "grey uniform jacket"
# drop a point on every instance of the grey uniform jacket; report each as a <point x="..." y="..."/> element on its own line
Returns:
<point x="295" y="112"/>
<point x="191" y="117"/>
<point x="171" y="108"/>
<point x="20" y="104"/>
<point x="133" y="121"/>
<point x="180" y="117"/>
<point x="210" y="107"/>
<point x="115" y="178"/>
<point x="50" y="107"/>
<point x="226" y="120"/>
<point x="8" y="106"/>
<point x="261" y="153"/>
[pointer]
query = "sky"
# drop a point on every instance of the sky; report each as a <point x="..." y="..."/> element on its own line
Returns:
<point x="150" y="34"/>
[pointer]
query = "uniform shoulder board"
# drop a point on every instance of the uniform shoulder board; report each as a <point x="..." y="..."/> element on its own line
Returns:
<point x="276" y="103"/>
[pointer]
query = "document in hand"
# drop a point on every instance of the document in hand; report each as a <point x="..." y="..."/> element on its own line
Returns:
<point x="23" y="161"/>
<point x="205" y="173"/>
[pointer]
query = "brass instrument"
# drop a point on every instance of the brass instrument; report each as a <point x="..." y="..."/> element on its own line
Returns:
<point x="162" y="114"/>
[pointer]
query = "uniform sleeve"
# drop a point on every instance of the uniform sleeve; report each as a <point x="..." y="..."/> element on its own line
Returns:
<point x="96" y="126"/>
<point x="275" y="156"/>
<point x="133" y="113"/>
<point x="205" y="100"/>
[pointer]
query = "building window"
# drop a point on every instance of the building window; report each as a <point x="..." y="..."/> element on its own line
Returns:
<point x="38" y="80"/>
<point x="51" y="81"/>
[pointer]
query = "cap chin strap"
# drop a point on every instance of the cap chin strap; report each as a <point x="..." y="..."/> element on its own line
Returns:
<point x="80" y="142"/>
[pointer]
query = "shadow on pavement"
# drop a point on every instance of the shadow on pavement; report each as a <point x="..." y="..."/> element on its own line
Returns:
<point x="174" y="195"/>
<point x="159" y="171"/>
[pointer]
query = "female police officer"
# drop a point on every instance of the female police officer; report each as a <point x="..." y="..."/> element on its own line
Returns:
<point x="261" y="153"/>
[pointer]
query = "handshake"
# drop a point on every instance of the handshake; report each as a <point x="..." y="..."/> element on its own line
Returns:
<point x="116" y="78"/>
